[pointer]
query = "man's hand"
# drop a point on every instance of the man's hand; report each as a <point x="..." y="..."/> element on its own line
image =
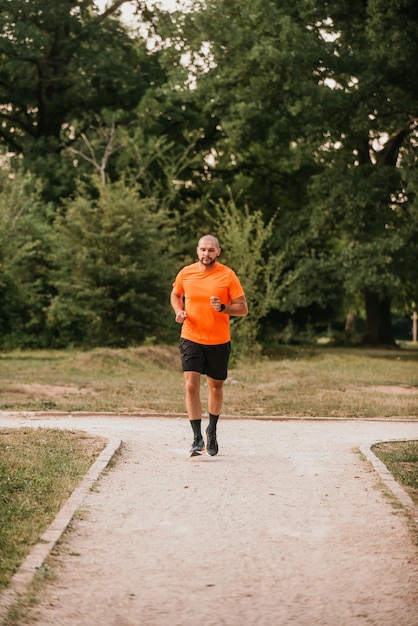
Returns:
<point x="177" y="304"/>
<point x="215" y="303"/>
<point x="180" y="316"/>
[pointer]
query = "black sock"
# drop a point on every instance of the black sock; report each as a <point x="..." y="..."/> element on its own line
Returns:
<point x="213" y="420"/>
<point x="197" y="425"/>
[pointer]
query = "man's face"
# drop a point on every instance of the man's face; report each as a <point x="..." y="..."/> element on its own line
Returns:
<point x="207" y="252"/>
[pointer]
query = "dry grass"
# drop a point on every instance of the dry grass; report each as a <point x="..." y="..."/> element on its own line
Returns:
<point x="321" y="382"/>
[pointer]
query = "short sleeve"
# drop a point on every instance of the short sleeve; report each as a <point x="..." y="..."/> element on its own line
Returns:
<point x="235" y="288"/>
<point x="178" y="285"/>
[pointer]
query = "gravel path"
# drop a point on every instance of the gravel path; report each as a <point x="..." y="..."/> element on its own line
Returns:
<point x="286" y="526"/>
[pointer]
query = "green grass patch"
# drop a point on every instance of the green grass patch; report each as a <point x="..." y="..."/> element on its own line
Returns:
<point x="39" y="469"/>
<point x="401" y="459"/>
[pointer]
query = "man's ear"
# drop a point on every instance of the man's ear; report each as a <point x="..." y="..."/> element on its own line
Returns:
<point x="219" y="252"/>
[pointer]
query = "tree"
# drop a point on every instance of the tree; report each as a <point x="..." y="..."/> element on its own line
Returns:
<point x="317" y="106"/>
<point x="25" y="284"/>
<point x="112" y="271"/>
<point x="257" y="84"/>
<point x="245" y="239"/>
<point x="245" y="83"/>
<point x="62" y="63"/>
<point x="362" y="196"/>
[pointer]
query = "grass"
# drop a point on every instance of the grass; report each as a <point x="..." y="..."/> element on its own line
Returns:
<point x="39" y="469"/>
<point x="313" y="382"/>
<point x="401" y="459"/>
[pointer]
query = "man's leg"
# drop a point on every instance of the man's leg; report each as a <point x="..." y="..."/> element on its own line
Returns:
<point x="216" y="395"/>
<point x="215" y="400"/>
<point x="194" y="409"/>
<point x="192" y="387"/>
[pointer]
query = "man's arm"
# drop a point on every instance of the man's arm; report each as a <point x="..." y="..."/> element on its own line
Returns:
<point x="177" y="306"/>
<point x="237" y="307"/>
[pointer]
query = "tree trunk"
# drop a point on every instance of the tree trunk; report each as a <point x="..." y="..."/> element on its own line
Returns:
<point x="379" y="330"/>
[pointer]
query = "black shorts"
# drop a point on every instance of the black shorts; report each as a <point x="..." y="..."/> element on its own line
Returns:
<point x="209" y="360"/>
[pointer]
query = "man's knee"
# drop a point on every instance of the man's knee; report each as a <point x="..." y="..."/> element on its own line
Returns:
<point x="215" y="385"/>
<point x="192" y="383"/>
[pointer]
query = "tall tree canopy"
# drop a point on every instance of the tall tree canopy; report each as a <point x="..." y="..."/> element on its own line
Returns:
<point x="363" y="195"/>
<point x="62" y="64"/>
<point x="317" y="107"/>
<point x="305" y="111"/>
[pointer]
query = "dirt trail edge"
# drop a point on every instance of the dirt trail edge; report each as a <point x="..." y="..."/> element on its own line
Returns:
<point x="286" y="526"/>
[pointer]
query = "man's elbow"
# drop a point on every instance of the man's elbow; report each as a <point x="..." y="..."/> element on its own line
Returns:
<point x="243" y="309"/>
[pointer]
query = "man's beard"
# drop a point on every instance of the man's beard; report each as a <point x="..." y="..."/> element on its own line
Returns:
<point x="208" y="262"/>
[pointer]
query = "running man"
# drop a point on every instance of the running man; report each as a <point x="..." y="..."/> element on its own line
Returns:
<point x="204" y="296"/>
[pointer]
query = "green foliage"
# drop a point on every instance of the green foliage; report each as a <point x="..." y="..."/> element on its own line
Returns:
<point x="297" y="92"/>
<point x="25" y="281"/>
<point x="362" y="207"/>
<point x="351" y="211"/>
<point x="305" y="112"/>
<point x="112" y="269"/>
<point x="245" y="240"/>
<point x="61" y="64"/>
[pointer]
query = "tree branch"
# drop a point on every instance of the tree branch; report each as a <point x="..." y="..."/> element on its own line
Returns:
<point x="110" y="10"/>
<point x="389" y="153"/>
<point x="109" y="137"/>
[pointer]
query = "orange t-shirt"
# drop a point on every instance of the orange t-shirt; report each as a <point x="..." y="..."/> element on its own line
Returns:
<point x="203" y="324"/>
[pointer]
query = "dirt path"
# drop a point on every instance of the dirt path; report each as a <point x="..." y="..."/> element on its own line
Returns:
<point x="286" y="526"/>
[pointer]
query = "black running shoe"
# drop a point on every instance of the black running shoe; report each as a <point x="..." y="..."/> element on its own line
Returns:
<point x="212" y="444"/>
<point x="198" y="446"/>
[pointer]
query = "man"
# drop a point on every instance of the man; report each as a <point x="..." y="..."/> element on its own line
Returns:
<point x="205" y="294"/>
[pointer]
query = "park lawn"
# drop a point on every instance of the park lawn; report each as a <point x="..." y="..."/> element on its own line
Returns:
<point x="292" y="381"/>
